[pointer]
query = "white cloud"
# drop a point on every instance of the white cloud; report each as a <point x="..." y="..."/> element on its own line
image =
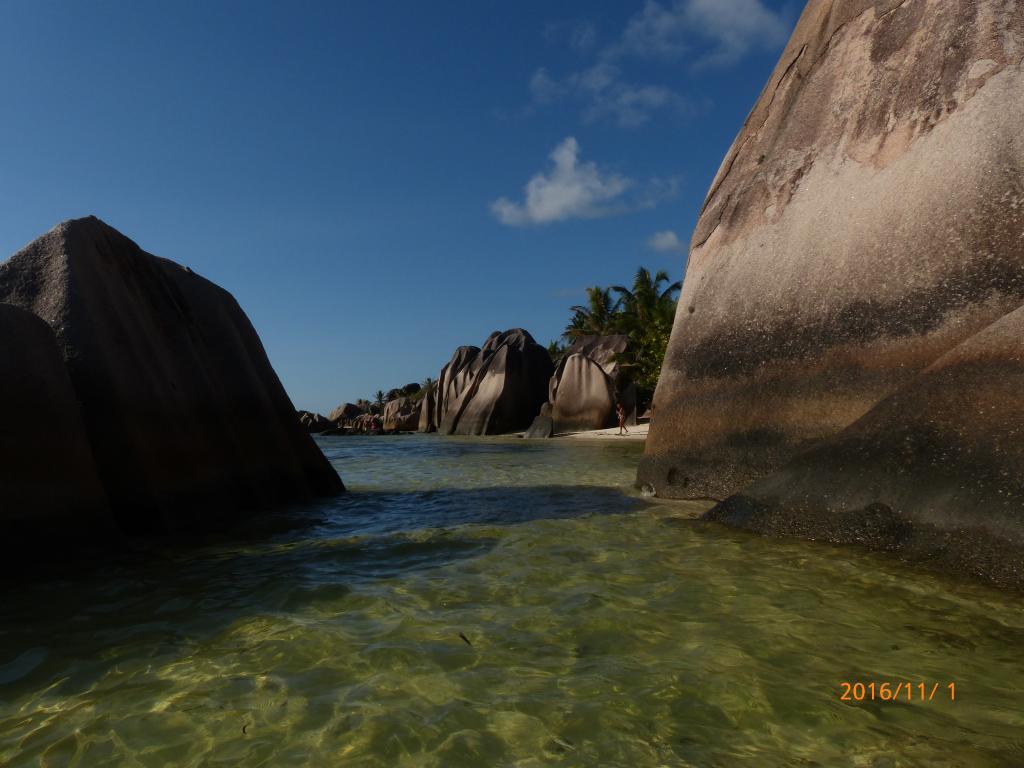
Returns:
<point x="570" y="190"/>
<point x="544" y="88"/>
<point x="605" y="93"/>
<point x="655" y="32"/>
<point x="666" y="242"/>
<point x="736" y="27"/>
<point x="712" y="32"/>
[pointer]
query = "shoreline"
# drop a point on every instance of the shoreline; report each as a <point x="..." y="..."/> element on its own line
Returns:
<point x="637" y="433"/>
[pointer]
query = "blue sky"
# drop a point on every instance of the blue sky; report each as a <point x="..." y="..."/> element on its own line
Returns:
<point x="378" y="183"/>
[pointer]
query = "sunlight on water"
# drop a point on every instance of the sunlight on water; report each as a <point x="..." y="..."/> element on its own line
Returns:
<point x="494" y="602"/>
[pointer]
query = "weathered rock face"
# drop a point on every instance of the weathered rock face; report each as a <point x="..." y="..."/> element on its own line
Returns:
<point x="345" y="412"/>
<point x="582" y="390"/>
<point x="582" y="395"/>
<point x="314" y="423"/>
<point x="868" y="218"/>
<point x="934" y="472"/>
<point x="428" y="406"/>
<point x="401" y="415"/>
<point x="189" y="426"/>
<point x="454" y="380"/>
<point x="50" y="489"/>
<point x="602" y="350"/>
<point x="497" y="390"/>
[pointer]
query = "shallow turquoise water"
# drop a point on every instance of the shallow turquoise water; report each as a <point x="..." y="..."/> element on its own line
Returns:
<point x="599" y="630"/>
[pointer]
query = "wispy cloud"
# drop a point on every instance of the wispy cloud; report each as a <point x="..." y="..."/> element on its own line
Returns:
<point x="712" y="33"/>
<point x="580" y="34"/>
<point x="573" y="189"/>
<point x="666" y="242"/>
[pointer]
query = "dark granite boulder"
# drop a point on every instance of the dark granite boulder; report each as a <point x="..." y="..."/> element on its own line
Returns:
<point x="499" y="390"/>
<point x="189" y="425"/>
<point x="455" y="378"/>
<point x="50" y="493"/>
<point x="868" y="218"/>
<point x="934" y="472"/>
<point x="543" y="425"/>
<point x="427" y="410"/>
<point x="314" y="423"/>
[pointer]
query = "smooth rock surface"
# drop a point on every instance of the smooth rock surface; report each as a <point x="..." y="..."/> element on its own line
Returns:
<point x="189" y="425"/>
<point x="50" y="493"/>
<point x="582" y="395"/>
<point x="934" y="472"/>
<point x="867" y="220"/>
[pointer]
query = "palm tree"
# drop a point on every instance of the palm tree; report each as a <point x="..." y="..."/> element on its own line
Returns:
<point x="379" y="401"/>
<point x="647" y="304"/>
<point x="647" y="316"/>
<point x="599" y="318"/>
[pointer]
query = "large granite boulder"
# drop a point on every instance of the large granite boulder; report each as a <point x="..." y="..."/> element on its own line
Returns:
<point x="582" y="395"/>
<point x="427" y="410"/>
<point x="345" y="413"/>
<point x="935" y="471"/>
<point x="868" y="219"/>
<point x="603" y="350"/>
<point x="454" y="380"/>
<point x="582" y="391"/>
<point x="497" y="390"/>
<point x="314" y="423"/>
<point x="189" y="425"/>
<point x="401" y="415"/>
<point x="50" y="493"/>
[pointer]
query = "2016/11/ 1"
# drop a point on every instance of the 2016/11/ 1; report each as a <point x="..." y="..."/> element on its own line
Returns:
<point x="899" y="691"/>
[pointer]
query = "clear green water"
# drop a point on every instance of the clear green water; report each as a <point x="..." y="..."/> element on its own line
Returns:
<point x="604" y="631"/>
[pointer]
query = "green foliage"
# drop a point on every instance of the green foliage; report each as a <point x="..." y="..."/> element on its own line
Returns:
<point x="645" y="312"/>
<point x="556" y="349"/>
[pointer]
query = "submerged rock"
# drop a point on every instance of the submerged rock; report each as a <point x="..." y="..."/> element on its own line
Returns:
<point x="496" y="390"/>
<point x="51" y="493"/>
<point x="189" y="425"/>
<point x="867" y="220"/>
<point x="934" y="471"/>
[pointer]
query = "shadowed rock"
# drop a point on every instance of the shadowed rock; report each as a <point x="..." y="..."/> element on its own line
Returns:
<point x="543" y="425"/>
<point x="314" y="423"/>
<point x="868" y="219"/>
<point x="189" y="426"/>
<point x="51" y="493"/>
<point x="427" y="410"/>
<point x="934" y="472"/>
<point x="454" y="380"/>
<point x="497" y="390"/>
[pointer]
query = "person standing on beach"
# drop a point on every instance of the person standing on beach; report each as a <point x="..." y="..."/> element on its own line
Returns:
<point x="621" y="413"/>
